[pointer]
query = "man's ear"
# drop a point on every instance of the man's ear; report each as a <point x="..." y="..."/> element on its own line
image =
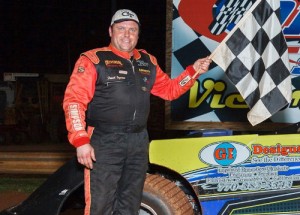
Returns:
<point x="110" y="30"/>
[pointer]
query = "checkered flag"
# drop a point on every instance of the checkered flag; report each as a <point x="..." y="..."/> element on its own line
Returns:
<point x="255" y="58"/>
<point x="230" y="12"/>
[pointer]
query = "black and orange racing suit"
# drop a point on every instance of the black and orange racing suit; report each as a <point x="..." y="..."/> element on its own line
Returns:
<point x="106" y="105"/>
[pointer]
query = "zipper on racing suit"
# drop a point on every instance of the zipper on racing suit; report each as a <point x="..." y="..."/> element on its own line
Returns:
<point x="133" y="71"/>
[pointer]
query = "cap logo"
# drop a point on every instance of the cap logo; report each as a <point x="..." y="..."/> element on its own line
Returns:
<point x="127" y="13"/>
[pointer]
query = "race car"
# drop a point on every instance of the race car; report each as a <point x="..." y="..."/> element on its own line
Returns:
<point x="208" y="175"/>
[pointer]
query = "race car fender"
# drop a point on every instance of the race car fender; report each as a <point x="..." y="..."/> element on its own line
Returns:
<point x="49" y="198"/>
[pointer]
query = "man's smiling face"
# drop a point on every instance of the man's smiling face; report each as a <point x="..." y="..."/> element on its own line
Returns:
<point x="124" y="35"/>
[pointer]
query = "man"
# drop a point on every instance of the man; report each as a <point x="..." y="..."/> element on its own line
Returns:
<point x="106" y="107"/>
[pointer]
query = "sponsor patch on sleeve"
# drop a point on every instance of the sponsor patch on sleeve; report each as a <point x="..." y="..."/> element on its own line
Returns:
<point x="185" y="80"/>
<point x="80" y="69"/>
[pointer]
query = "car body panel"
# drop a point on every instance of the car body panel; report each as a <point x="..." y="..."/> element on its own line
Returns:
<point x="236" y="174"/>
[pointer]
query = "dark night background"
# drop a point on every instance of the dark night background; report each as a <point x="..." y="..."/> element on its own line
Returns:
<point x="47" y="36"/>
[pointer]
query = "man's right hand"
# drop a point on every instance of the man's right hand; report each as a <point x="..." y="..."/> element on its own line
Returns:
<point x="86" y="155"/>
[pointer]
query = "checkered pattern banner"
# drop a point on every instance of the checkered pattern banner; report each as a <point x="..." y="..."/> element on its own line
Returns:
<point x="231" y="12"/>
<point x="254" y="56"/>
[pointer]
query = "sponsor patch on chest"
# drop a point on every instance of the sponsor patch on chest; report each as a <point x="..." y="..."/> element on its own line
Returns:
<point x="113" y="63"/>
<point x="123" y="72"/>
<point x="144" y="71"/>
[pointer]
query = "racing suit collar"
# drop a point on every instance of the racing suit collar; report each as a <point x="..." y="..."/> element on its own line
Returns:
<point x="125" y="55"/>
